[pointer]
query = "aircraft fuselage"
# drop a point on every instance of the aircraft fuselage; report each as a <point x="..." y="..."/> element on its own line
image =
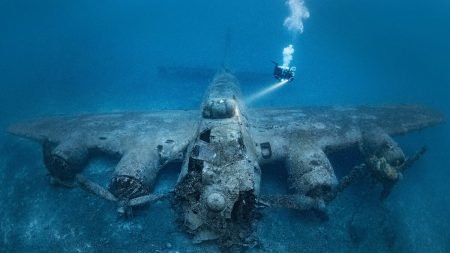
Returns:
<point x="220" y="167"/>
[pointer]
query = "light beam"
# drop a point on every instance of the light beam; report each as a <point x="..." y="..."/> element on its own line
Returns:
<point x="266" y="91"/>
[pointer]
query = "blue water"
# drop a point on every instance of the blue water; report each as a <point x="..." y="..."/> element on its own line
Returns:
<point x="66" y="57"/>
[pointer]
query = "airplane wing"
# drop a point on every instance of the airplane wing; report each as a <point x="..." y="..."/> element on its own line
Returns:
<point x="114" y="133"/>
<point x="146" y="141"/>
<point x="329" y="128"/>
<point x="334" y="128"/>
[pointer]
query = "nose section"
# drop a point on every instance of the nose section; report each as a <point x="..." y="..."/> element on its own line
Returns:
<point x="216" y="202"/>
<point x="221" y="108"/>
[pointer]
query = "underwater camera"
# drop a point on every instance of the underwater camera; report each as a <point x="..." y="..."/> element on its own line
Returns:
<point x="283" y="73"/>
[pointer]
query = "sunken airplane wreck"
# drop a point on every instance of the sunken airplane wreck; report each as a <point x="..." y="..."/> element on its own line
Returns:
<point x="223" y="147"/>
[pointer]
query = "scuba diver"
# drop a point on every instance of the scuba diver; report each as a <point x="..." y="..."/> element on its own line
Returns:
<point x="283" y="73"/>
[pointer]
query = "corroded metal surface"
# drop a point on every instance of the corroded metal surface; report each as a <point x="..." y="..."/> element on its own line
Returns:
<point x="222" y="147"/>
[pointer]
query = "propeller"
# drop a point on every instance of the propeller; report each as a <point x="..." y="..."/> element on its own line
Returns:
<point x="124" y="205"/>
<point x="296" y="202"/>
<point x="361" y="169"/>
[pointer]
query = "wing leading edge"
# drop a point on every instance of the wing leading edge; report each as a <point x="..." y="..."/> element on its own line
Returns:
<point x="338" y="127"/>
<point x="113" y="133"/>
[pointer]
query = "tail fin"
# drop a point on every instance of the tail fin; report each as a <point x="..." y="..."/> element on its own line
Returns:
<point x="204" y="73"/>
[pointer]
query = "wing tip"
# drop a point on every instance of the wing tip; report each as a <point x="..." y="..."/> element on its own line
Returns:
<point x="428" y="115"/>
<point x="17" y="129"/>
<point x="435" y="117"/>
<point x="23" y="129"/>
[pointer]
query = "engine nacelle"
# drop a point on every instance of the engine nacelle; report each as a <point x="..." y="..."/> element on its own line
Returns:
<point x="310" y="172"/>
<point x="65" y="160"/>
<point x="135" y="174"/>
<point x="377" y="142"/>
<point x="383" y="155"/>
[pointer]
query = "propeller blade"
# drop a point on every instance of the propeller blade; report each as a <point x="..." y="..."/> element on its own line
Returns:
<point x="297" y="202"/>
<point x="410" y="161"/>
<point x="146" y="199"/>
<point x="94" y="188"/>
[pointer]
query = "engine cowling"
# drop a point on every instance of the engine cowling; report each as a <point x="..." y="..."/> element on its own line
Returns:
<point x="135" y="174"/>
<point x="310" y="172"/>
<point x="65" y="160"/>
<point x="379" y="143"/>
<point x="383" y="155"/>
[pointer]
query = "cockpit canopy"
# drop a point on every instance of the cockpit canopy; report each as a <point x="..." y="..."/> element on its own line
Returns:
<point x="222" y="108"/>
